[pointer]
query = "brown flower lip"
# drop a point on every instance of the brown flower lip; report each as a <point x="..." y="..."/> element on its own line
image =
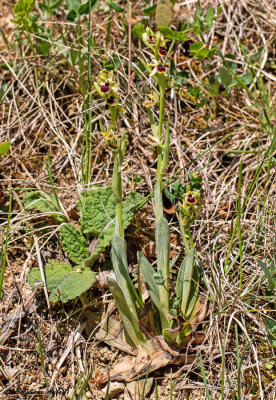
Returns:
<point x="191" y="199"/>
<point x="162" y="51"/>
<point x="161" y="68"/>
<point x="111" y="100"/>
<point x="152" y="39"/>
<point x="105" y="88"/>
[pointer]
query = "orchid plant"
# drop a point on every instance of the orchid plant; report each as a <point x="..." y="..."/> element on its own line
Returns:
<point x="107" y="88"/>
<point x="172" y="315"/>
<point x="172" y="312"/>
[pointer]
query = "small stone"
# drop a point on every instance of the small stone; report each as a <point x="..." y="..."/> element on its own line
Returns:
<point x="142" y="386"/>
<point x="114" y="389"/>
<point x="89" y="395"/>
<point x="63" y="371"/>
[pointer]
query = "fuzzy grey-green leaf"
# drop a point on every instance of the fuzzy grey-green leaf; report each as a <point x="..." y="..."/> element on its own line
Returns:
<point x="163" y="13"/>
<point x="63" y="282"/>
<point x="97" y="210"/>
<point x="73" y="243"/>
<point x="106" y="234"/>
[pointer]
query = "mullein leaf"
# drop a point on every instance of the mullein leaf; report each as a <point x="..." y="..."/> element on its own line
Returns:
<point x="63" y="282"/>
<point x="74" y="243"/>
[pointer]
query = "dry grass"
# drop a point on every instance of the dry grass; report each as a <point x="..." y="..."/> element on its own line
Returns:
<point x="45" y="117"/>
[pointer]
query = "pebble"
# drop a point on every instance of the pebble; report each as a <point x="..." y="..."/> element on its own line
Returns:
<point x="89" y="395"/>
<point x="114" y="389"/>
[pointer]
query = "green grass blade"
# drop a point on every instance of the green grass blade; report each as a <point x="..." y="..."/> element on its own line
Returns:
<point x="239" y="223"/>
<point x="204" y="377"/>
<point x="271" y="280"/>
<point x="3" y="258"/>
<point x="249" y="192"/>
<point x="42" y="357"/>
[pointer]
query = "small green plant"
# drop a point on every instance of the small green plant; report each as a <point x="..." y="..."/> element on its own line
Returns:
<point x="270" y="274"/>
<point x="23" y="16"/>
<point x="37" y="34"/>
<point x="4" y="245"/>
<point x="4" y="148"/>
<point x="97" y="222"/>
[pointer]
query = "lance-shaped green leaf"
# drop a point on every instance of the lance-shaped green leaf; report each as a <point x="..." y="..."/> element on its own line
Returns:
<point x="162" y="240"/>
<point x="152" y="288"/>
<point x="120" y="266"/>
<point x="270" y="273"/>
<point x="44" y="203"/>
<point x="63" y="282"/>
<point x="271" y="328"/>
<point x="193" y="295"/>
<point x="130" y="319"/>
<point x="74" y="243"/>
<point x="187" y="284"/>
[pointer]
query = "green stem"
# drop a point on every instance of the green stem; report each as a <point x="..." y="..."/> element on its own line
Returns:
<point x="163" y="245"/>
<point x="113" y="114"/>
<point x="190" y="237"/>
<point x="119" y="214"/>
<point x="161" y="107"/>
<point x="158" y="203"/>
<point x="89" y="130"/>
<point x="183" y="234"/>
<point x="3" y="256"/>
<point x="158" y="186"/>
<point x="117" y="191"/>
<point x="170" y="50"/>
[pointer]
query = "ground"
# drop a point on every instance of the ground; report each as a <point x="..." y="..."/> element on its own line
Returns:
<point x="228" y="137"/>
